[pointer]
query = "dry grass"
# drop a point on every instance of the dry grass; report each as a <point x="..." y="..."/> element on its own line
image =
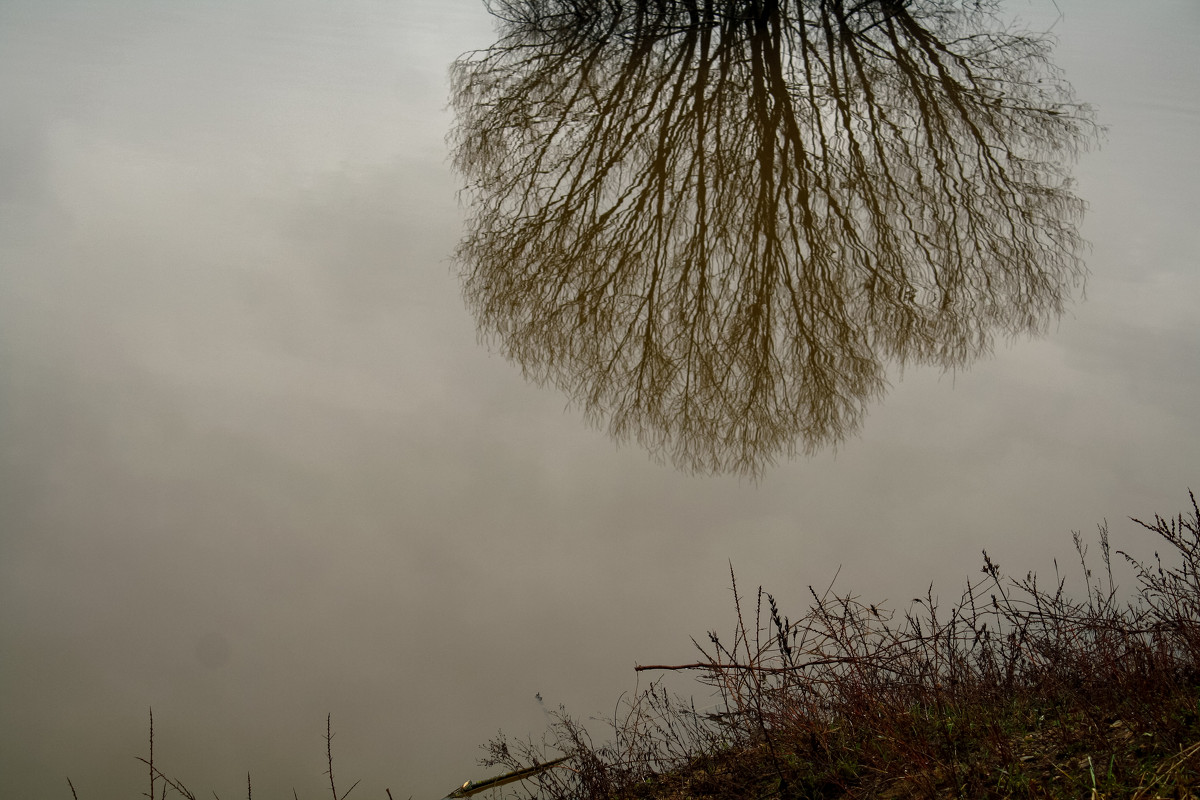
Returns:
<point x="1018" y="690"/>
<point x="163" y="785"/>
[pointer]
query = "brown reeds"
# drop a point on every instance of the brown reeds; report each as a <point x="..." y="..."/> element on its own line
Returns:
<point x="164" y="785"/>
<point x="1017" y="690"/>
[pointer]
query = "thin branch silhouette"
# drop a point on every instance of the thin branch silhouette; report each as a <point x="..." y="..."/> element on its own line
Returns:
<point x="715" y="225"/>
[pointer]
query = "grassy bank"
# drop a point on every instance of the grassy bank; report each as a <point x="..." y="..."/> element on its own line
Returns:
<point x="1018" y="689"/>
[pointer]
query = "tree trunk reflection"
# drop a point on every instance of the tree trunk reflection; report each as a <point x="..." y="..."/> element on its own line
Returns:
<point x="715" y="224"/>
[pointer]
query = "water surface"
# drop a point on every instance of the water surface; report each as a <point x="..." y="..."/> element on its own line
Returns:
<point x="256" y="467"/>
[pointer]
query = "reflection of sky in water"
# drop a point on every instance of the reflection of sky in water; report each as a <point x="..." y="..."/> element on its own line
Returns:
<point x="240" y="394"/>
<point x="213" y="650"/>
<point x="661" y="226"/>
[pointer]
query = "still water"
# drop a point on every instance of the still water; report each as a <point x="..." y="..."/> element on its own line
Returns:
<point x="263" y="458"/>
<point x="714" y="230"/>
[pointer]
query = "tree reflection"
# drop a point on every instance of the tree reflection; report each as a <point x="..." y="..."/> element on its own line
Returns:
<point x="715" y="224"/>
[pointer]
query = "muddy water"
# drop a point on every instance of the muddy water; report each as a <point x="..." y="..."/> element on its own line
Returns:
<point x="257" y="467"/>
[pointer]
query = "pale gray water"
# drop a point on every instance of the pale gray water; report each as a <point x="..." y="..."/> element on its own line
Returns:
<point x="254" y="466"/>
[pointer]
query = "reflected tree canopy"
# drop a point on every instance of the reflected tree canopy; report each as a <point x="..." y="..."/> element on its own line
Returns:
<point x="716" y="224"/>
